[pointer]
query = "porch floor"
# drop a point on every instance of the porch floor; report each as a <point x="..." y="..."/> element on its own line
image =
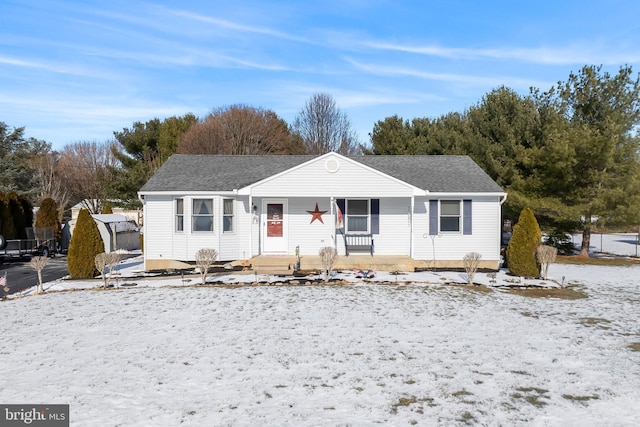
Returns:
<point x="283" y="264"/>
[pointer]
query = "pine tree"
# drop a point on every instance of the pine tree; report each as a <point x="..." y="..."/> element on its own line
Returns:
<point x="86" y="243"/>
<point x="521" y="252"/>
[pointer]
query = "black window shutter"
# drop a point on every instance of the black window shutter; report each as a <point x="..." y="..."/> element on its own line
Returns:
<point x="375" y="216"/>
<point x="466" y="217"/>
<point x="433" y="217"/>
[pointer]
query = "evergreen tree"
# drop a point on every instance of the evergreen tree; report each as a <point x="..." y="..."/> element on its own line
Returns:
<point x="146" y="147"/>
<point x="107" y="208"/>
<point x="48" y="217"/>
<point x="86" y="243"/>
<point x="7" y="225"/>
<point x="521" y="251"/>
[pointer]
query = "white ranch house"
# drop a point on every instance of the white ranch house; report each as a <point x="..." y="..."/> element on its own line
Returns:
<point x="430" y="209"/>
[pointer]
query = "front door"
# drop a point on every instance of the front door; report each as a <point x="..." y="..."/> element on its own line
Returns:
<point x="274" y="226"/>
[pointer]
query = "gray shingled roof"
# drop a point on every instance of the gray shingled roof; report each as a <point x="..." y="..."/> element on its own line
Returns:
<point x="185" y="172"/>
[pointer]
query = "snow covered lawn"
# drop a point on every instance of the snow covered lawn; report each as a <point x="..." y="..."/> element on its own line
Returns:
<point x="330" y="355"/>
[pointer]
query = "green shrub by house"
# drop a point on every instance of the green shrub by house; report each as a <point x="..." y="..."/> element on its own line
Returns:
<point x="107" y="208"/>
<point x="86" y="243"/>
<point x="521" y="251"/>
<point x="7" y="225"/>
<point x="47" y="216"/>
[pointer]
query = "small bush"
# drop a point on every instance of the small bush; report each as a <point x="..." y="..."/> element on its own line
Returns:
<point x="561" y="241"/>
<point x="205" y="258"/>
<point x="328" y="257"/>
<point x="521" y="252"/>
<point x="471" y="262"/>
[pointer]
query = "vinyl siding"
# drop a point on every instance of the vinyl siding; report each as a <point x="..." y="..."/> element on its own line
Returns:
<point x="350" y="180"/>
<point x="485" y="238"/>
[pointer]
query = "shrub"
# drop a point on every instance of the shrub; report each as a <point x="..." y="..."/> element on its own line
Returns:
<point x="521" y="252"/>
<point x="205" y="258"/>
<point x="471" y="262"/>
<point x="546" y="256"/>
<point x="86" y="243"/>
<point x="328" y="256"/>
<point x="561" y="241"/>
<point x="107" y="208"/>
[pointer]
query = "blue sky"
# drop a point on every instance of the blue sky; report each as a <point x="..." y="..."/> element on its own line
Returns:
<point x="74" y="71"/>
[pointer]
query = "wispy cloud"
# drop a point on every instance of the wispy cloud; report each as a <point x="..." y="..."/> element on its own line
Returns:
<point x="235" y="26"/>
<point x="543" y="55"/>
<point x="474" y="80"/>
<point x="52" y="67"/>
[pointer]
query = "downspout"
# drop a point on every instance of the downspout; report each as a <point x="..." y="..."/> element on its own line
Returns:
<point x="144" y="234"/>
<point x="251" y="214"/>
<point x="411" y="240"/>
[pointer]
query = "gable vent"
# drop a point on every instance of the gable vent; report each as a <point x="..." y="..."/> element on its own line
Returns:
<point x="332" y="165"/>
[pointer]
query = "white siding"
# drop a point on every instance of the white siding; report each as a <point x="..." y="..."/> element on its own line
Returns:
<point x="485" y="238"/>
<point x="350" y="180"/>
<point x="395" y="228"/>
<point x="163" y="242"/>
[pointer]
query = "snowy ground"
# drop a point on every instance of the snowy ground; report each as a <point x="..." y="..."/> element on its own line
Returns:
<point x="166" y="353"/>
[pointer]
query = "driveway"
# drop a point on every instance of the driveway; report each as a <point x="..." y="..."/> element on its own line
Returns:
<point x="20" y="275"/>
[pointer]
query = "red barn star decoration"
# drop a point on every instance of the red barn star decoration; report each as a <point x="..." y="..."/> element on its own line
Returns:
<point x="316" y="214"/>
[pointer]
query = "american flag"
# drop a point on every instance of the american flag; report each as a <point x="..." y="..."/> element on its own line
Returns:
<point x="339" y="218"/>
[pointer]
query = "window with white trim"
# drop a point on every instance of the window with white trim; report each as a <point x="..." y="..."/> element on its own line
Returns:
<point x="450" y="216"/>
<point x="202" y="215"/>
<point x="228" y="208"/>
<point x="357" y="216"/>
<point x="179" y="215"/>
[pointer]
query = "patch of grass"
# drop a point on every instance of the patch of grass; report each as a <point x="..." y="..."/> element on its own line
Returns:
<point x="532" y="395"/>
<point x="468" y="418"/>
<point x="595" y="321"/>
<point x="462" y="392"/>
<point x="562" y="293"/>
<point x="611" y="262"/>
<point x="580" y="399"/>
<point x="635" y="346"/>
<point x="411" y="400"/>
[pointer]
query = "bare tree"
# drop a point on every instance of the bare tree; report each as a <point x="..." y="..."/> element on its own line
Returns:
<point x="47" y="170"/>
<point x="112" y="260"/>
<point x="328" y="256"/>
<point x="205" y="258"/>
<point x="323" y="127"/>
<point x="38" y="263"/>
<point x="238" y="129"/>
<point x="86" y="170"/>
<point x="546" y="255"/>
<point x="471" y="262"/>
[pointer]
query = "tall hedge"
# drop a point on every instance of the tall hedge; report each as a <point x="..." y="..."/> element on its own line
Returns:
<point x="7" y="225"/>
<point x="47" y="216"/>
<point x="86" y="243"/>
<point x="521" y="251"/>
